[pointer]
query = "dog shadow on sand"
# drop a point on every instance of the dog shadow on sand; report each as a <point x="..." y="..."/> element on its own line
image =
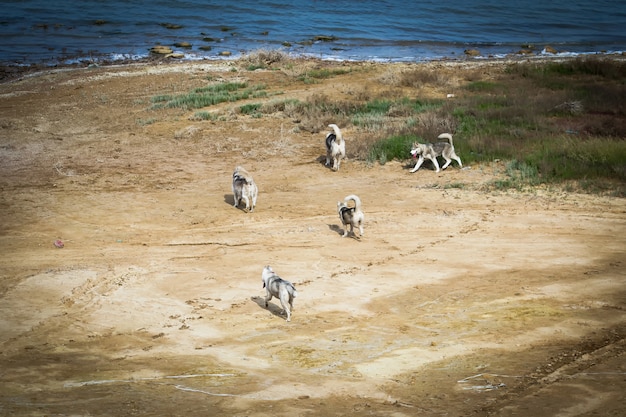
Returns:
<point x="322" y="160"/>
<point x="276" y="310"/>
<point x="229" y="199"/>
<point x="339" y="230"/>
<point x="428" y="164"/>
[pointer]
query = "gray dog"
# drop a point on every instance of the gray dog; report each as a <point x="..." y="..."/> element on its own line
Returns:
<point x="244" y="188"/>
<point x="277" y="287"/>
<point x="433" y="150"/>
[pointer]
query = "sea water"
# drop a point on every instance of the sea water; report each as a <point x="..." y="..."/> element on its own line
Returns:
<point x="57" y="31"/>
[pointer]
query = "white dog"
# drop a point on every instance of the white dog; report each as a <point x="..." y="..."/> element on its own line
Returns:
<point x="335" y="147"/>
<point x="277" y="287"/>
<point x="351" y="216"/>
<point x="244" y="188"/>
<point x="433" y="150"/>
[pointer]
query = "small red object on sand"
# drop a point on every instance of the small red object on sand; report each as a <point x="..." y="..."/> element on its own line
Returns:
<point x="59" y="243"/>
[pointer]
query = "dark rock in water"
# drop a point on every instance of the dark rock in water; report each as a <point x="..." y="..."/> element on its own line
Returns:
<point x="100" y="22"/>
<point x="287" y="44"/>
<point x="171" y="26"/>
<point x="208" y="39"/>
<point x="524" y="52"/>
<point x="205" y="48"/>
<point x="161" y="50"/>
<point x="549" y="50"/>
<point x="182" y="45"/>
<point x="472" y="52"/>
<point x="324" y="38"/>
<point x="225" y="53"/>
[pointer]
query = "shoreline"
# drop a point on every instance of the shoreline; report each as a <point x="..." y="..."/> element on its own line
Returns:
<point x="12" y="73"/>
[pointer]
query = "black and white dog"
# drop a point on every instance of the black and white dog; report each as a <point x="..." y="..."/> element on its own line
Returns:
<point x="351" y="216"/>
<point x="335" y="147"/>
<point x="277" y="287"/>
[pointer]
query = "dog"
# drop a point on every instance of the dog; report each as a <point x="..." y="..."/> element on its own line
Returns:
<point x="277" y="287"/>
<point x="351" y="216"/>
<point x="244" y="189"/>
<point x="335" y="147"/>
<point x="432" y="151"/>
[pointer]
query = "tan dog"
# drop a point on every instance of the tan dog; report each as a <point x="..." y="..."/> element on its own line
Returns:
<point x="335" y="147"/>
<point x="433" y="150"/>
<point x="244" y="188"/>
<point x="351" y="216"/>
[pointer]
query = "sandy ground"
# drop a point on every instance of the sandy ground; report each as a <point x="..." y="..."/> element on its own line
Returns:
<point x="457" y="301"/>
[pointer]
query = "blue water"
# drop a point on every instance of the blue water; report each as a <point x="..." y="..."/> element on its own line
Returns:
<point x="57" y="31"/>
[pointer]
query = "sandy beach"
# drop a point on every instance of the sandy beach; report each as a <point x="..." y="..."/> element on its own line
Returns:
<point x="457" y="300"/>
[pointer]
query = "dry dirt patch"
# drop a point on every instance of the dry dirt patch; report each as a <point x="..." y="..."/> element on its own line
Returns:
<point x="457" y="301"/>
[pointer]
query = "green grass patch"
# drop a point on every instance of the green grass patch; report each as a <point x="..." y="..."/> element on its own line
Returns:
<point x="569" y="158"/>
<point x="209" y="96"/>
<point x="481" y="86"/>
<point x="395" y="147"/>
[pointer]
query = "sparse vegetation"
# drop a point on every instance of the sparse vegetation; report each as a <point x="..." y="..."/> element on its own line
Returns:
<point x="321" y="73"/>
<point x="554" y="121"/>
<point x="203" y="115"/>
<point x="264" y="59"/>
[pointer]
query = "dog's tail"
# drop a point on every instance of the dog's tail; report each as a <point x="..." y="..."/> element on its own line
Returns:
<point x="337" y="131"/>
<point x="240" y="174"/>
<point x="355" y="198"/>
<point x="446" y="136"/>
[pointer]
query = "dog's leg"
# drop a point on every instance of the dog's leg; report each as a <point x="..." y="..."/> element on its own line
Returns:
<point x="268" y="297"/>
<point x="286" y="309"/>
<point x="285" y="302"/>
<point x="419" y="163"/>
<point x="345" y="232"/>
<point x="247" y="201"/>
<point x="360" y="230"/>
<point x="448" y="161"/>
<point x="435" y="163"/>
<point x="456" y="158"/>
